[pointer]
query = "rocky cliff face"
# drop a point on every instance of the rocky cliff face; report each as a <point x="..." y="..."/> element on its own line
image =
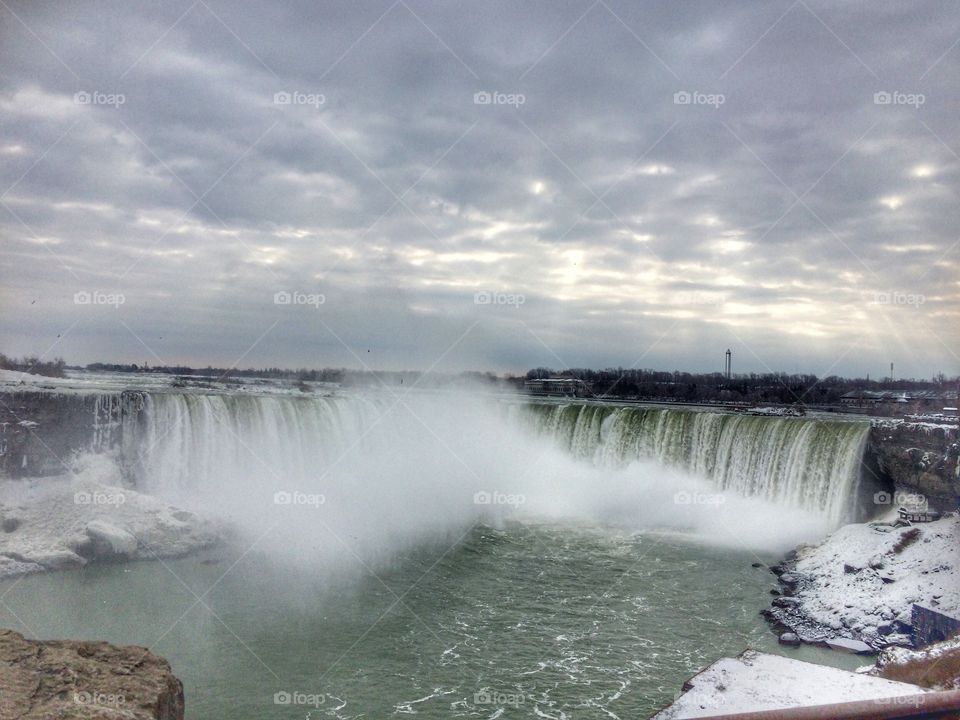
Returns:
<point x="40" y="431"/>
<point x="78" y="679"/>
<point x="919" y="457"/>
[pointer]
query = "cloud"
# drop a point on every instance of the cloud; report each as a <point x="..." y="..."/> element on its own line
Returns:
<point x="657" y="183"/>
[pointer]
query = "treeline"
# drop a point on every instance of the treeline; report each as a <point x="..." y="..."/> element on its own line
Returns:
<point x="34" y="365"/>
<point x="327" y="375"/>
<point x="342" y="376"/>
<point x="784" y="388"/>
<point x="623" y="383"/>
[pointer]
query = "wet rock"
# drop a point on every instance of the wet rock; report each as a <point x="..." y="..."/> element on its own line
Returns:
<point x="789" y="579"/>
<point x="74" y="680"/>
<point x="785" y="602"/>
<point x="790" y="639"/>
<point x="756" y="565"/>
<point x="775" y="592"/>
<point x="778" y="569"/>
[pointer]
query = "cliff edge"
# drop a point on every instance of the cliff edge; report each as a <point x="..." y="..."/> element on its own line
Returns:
<point x="80" y="679"/>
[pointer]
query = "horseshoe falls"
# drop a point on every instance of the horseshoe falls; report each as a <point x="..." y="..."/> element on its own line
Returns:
<point x="389" y="554"/>
<point x="795" y="462"/>
<point x="396" y="470"/>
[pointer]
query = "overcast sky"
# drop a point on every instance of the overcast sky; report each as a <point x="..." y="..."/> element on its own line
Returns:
<point x="483" y="185"/>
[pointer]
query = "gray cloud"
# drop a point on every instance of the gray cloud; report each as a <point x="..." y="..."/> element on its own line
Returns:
<point x="769" y="213"/>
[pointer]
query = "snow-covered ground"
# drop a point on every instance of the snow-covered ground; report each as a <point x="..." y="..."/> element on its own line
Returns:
<point x="87" y="382"/>
<point x="924" y="423"/>
<point x="67" y="521"/>
<point x="862" y="581"/>
<point x="758" y="681"/>
<point x="936" y="666"/>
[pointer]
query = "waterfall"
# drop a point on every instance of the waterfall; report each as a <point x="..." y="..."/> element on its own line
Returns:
<point x="184" y="439"/>
<point x="315" y="474"/>
<point x="804" y="463"/>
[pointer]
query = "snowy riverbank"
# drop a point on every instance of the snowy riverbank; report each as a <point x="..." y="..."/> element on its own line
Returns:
<point x="88" y="516"/>
<point x="862" y="581"/>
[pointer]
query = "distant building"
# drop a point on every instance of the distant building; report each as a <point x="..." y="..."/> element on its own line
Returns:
<point x="931" y="399"/>
<point x="566" y="387"/>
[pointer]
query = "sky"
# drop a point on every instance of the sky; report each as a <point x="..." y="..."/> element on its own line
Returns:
<point x="483" y="186"/>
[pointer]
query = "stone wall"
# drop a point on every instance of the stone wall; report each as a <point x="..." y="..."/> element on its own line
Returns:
<point x="930" y="626"/>
<point x="919" y="458"/>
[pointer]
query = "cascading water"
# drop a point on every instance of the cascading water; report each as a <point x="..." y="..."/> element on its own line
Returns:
<point x="393" y="470"/>
<point x="809" y="464"/>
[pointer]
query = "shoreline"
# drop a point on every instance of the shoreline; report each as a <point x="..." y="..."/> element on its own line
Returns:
<point x="857" y="587"/>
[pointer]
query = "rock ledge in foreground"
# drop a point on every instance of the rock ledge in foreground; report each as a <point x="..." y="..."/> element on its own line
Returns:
<point x="69" y="679"/>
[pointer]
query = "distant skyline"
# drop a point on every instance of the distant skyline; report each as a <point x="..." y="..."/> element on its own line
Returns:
<point x="487" y="186"/>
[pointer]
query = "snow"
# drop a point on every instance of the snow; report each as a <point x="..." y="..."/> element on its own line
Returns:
<point x="106" y="382"/>
<point x="850" y="646"/>
<point x="113" y="539"/>
<point x="758" y="681"/>
<point x="925" y="423"/>
<point x="774" y="411"/>
<point x="854" y="581"/>
<point x="54" y="523"/>
<point x="899" y="655"/>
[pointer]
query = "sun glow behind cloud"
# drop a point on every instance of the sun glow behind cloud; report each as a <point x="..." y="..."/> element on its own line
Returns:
<point x="770" y="221"/>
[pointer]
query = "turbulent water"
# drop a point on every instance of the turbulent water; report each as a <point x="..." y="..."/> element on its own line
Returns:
<point x="450" y="555"/>
<point x="531" y="621"/>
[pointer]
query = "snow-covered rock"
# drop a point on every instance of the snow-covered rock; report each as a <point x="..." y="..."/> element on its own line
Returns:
<point x="848" y="645"/>
<point x="758" y="681"/>
<point x="790" y="639"/>
<point x="862" y="581"/>
<point x="69" y="520"/>
<point x="109" y="540"/>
